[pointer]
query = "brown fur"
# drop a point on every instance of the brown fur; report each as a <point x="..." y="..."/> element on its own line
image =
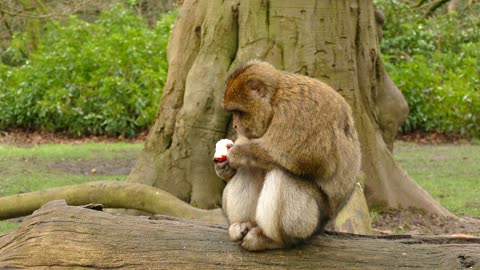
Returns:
<point x="297" y="160"/>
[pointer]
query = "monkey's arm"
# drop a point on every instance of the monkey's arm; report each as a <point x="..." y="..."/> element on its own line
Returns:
<point x="250" y="154"/>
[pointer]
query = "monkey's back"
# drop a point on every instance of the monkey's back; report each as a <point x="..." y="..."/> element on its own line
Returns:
<point x="322" y="140"/>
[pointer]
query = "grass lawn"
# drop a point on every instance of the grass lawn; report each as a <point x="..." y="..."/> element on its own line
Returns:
<point x="25" y="169"/>
<point x="451" y="173"/>
<point x="32" y="168"/>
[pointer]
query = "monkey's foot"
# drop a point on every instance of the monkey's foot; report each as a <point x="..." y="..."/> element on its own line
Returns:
<point x="255" y="240"/>
<point x="238" y="230"/>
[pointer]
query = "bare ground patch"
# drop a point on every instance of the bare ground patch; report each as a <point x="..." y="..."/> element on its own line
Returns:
<point x="26" y="138"/>
<point x="94" y="166"/>
<point x="411" y="221"/>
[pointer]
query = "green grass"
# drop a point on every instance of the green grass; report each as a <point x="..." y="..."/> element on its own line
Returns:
<point x="68" y="151"/>
<point x="450" y="173"/>
<point x="26" y="169"/>
<point x="7" y="226"/>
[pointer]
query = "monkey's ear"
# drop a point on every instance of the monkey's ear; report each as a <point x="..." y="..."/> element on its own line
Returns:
<point x="257" y="87"/>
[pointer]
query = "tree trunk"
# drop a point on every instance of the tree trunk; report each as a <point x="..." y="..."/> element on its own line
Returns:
<point x="452" y="6"/>
<point x="66" y="237"/>
<point x="334" y="41"/>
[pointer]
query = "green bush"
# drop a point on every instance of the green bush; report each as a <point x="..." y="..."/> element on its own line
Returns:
<point x="436" y="64"/>
<point x="99" y="78"/>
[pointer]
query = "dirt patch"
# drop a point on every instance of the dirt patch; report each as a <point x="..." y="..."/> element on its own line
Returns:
<point x="94" y="166"/>
<point x="26" y="137"/>
<point x="22" y="137"/>
<point x="411" y="221"/>
<point x="423" y="137"/>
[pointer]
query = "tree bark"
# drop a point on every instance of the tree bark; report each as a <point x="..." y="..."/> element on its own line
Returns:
<point x="69" y="237"/>
<point x="334" y="41"/>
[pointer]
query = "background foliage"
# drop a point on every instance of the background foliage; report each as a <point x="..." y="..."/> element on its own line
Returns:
<point x="435" y="61"/>
<point x="104" y="74"/>
<point x="98" y="78"/>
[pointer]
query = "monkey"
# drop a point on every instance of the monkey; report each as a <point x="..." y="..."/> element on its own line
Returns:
<point x="296" y="159"/>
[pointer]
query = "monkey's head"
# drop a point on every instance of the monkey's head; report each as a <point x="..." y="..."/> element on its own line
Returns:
<point x="249" y="93"/>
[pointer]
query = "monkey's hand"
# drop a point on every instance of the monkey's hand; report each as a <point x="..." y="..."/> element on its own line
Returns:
<point x="224" y="170"/>
<point x="236" y="157"/>
<point x="249" y="155"/>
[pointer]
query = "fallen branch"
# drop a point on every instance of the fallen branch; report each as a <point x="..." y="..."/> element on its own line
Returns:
<point x="72" y="237"/>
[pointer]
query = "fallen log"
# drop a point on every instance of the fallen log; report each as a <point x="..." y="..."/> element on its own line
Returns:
<point x="67" y="237"/>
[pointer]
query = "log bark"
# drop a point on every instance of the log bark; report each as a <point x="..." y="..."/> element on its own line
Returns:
<point x="67" y="237"/>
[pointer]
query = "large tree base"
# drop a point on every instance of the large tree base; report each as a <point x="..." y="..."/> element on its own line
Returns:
<point x="64" y="236"/>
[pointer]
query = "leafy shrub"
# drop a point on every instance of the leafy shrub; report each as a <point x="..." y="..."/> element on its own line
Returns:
<point x="436" y="64"/>
<point x="100" y="78"/>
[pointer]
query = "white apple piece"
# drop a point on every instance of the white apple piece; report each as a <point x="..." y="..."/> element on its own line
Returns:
<point x="221" y="149"/>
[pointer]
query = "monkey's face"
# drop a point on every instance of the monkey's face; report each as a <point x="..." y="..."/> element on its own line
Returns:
<point x="250" y="104"/>
<point x="247" y="126"/>
<point x="249" y="92"/>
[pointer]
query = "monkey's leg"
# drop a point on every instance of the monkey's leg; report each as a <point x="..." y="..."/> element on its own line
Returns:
<point x="238" y="230"/>
<point x="240" y="198"/>
<point x="288" y="212"/>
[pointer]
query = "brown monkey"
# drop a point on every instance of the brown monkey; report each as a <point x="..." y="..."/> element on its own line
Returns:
<point x="296" y="160"/>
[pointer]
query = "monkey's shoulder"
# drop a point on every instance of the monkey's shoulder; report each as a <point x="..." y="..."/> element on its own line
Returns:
<point x="308" y="92"/>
